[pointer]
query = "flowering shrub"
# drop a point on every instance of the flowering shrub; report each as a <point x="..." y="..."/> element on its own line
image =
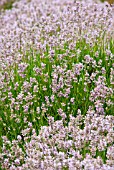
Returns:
<point x="86" y="142"/>
<point x="56" y="90"/>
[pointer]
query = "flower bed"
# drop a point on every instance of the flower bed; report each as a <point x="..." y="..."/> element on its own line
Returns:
<point x="56" y="85"/>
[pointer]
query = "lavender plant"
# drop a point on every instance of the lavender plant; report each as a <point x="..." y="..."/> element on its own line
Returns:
<point x="56" y="90"/>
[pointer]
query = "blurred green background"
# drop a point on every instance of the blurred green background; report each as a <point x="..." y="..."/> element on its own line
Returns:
<point x="110" y="1"/>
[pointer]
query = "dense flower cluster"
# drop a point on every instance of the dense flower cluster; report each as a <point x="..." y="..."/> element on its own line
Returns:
<point x="75" y="146"/>
<point x="56" y="85"/>
<point x="53" y="22"/>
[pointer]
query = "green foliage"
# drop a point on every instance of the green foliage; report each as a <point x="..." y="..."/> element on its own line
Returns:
<point x="7" y="5"/>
